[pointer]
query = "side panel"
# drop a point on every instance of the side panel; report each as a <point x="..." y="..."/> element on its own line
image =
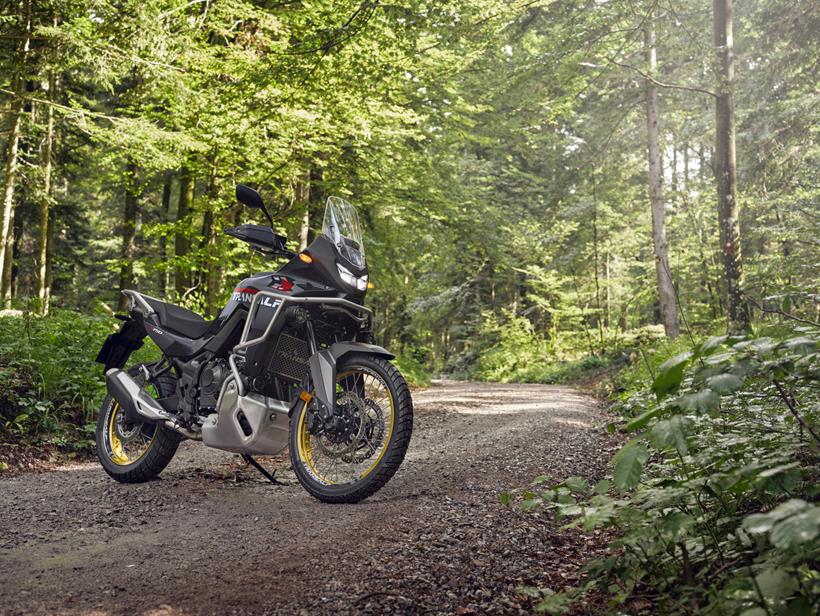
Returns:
<point x="172" y="344"/>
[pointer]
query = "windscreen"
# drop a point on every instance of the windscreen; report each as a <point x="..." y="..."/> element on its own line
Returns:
<point x="341" y="226"/>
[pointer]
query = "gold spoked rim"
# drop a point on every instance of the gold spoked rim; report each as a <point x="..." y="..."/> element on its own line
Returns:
<point x="366" y="407"/>
<point x="126" y="442"/>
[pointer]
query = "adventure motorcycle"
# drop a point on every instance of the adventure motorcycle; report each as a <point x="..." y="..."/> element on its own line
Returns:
<point x="289" y="361"/>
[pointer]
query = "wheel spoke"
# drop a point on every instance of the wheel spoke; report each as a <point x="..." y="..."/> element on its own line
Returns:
<point x="125" y="443"/>
<point x="364" y="410"/>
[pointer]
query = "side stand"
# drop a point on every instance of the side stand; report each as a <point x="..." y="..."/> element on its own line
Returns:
<point x="269" y="476"/>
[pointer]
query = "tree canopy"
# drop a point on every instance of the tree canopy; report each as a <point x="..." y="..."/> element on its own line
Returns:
<point x="498" y="151"/>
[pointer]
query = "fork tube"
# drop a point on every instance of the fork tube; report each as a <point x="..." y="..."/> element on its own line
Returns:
<point x="311" y="337"/>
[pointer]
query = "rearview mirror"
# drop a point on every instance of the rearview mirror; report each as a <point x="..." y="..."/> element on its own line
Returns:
<point x="248" y="196"/>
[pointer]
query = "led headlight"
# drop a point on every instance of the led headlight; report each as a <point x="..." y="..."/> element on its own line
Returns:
<point x="359" y="283"/>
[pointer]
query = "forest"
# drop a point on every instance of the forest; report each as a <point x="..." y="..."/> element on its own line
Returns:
<point x="621" y="194"/>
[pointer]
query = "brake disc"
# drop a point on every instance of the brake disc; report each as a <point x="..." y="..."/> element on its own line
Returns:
<point x="126" y="431"/>
<point x="373" y="434"/>
<point x="354" y="409"/>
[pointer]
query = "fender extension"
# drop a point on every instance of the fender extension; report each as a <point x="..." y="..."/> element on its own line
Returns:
<point x="118" y="347"/>
<point x="323" y="370"/>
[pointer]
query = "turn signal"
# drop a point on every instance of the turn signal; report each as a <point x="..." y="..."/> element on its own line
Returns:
<point x="305" y="257"/>
<point x="370" y="285"/>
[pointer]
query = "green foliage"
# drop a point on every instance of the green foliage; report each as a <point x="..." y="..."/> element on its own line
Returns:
<point x="716" y="512"/>
<point x="628" y="464"/>
<point x="670" y="374"/>
<point x="50" y="386"/>
<point x="517" y="355"/>
<point x="508" y="350"/>
<point x="413" y="370"/>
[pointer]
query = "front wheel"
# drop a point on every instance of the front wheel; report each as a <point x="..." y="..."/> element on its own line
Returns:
<point x="373" y="422"/>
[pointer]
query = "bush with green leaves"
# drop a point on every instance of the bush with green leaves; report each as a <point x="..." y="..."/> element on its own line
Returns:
<point x="712" y="503"/>
<point x="413" y="370"/>
<point x="50" y="385"/>
<point x="511" y="351"/>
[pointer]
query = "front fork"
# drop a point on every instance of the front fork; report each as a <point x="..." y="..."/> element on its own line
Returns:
<point x="323" y="375"/>
<point x="323" y="372"/>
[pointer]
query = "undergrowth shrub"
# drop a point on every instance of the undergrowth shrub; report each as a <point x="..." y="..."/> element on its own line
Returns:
<point x="50" y="386"/>
<point x="713" y="501"/>
<point x="509" y="350"/>
<point x="413" y="370"/>
<point x="517" y="353"/>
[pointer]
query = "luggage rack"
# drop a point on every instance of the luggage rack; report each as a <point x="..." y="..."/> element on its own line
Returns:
<point x="337" y="303"/>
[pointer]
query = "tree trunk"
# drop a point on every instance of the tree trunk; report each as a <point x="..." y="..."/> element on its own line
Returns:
<point x="182" y="243"/>
<point x="43" y="252"/>
<point x="8" y="264"/>
<point x="164" y="279"/>
<point x="304" y="229"/>
<point x="607" y="291"/>
<point x="211" y="274"/>
<point x="10" y="172"/>
<point x="666" y="290"/>
<point x="49" y="260"/>
<point x="301" y="199"/>
<point x="13" y="287"/>
<point x="129" y="233"/>
<point x="599" y="311"/>
<point x="726" y="170"/>
<point x="317" y="198"/>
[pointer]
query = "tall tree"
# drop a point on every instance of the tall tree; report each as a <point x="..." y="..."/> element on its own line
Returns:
<point x="164" y="273"/>
<point x="182" y="241"/>
<point x="13" y="144"/>
<point x="726" y="168"/>
<point x="129" y="231"/>
<point x="666" y="289"/>
<point x="44" y="236"/>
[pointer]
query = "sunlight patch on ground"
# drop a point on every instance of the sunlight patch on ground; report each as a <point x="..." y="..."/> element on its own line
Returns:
<point x="512" y="408"/>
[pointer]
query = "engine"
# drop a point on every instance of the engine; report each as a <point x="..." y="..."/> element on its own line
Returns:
<point x="211" y="382"/>
<point x="198" y="386"/>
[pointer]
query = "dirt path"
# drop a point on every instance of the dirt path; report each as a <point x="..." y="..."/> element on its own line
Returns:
<point x="214" y="538"/>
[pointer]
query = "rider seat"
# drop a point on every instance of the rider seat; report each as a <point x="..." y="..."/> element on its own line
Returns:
<point x="179" y="320"/>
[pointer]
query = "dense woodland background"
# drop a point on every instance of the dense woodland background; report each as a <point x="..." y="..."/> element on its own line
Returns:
<point x="498" y="152"/>
<point x="549" y="189"/>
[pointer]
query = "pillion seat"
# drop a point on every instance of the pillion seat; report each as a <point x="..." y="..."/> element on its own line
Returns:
<point x="179" y="320"/>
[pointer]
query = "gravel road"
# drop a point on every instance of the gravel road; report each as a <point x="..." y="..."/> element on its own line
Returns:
<point x="212" y="537"/>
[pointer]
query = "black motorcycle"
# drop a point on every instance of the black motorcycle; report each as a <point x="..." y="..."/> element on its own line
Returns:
<point x="288" y="362"/>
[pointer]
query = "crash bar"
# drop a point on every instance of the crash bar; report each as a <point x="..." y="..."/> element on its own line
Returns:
<point x="244" y="343"/>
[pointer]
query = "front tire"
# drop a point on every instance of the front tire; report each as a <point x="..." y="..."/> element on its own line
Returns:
<point x="374" y="404"/>
<point x="134" y="453"/>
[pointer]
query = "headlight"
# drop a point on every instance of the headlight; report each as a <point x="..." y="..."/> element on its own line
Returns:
<point x="359" y="283"/>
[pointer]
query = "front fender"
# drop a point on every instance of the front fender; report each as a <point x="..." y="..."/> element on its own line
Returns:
<point x="323" y="370"/>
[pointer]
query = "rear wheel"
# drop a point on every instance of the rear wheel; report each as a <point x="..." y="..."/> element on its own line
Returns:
<point x="373" y="424"/>
<point x="134" y="452"/>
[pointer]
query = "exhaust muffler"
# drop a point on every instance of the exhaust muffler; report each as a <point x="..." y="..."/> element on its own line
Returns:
<point x="138" y="405"/>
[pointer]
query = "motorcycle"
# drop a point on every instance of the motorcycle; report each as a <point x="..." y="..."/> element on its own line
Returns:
<point x="289" y="362"/>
